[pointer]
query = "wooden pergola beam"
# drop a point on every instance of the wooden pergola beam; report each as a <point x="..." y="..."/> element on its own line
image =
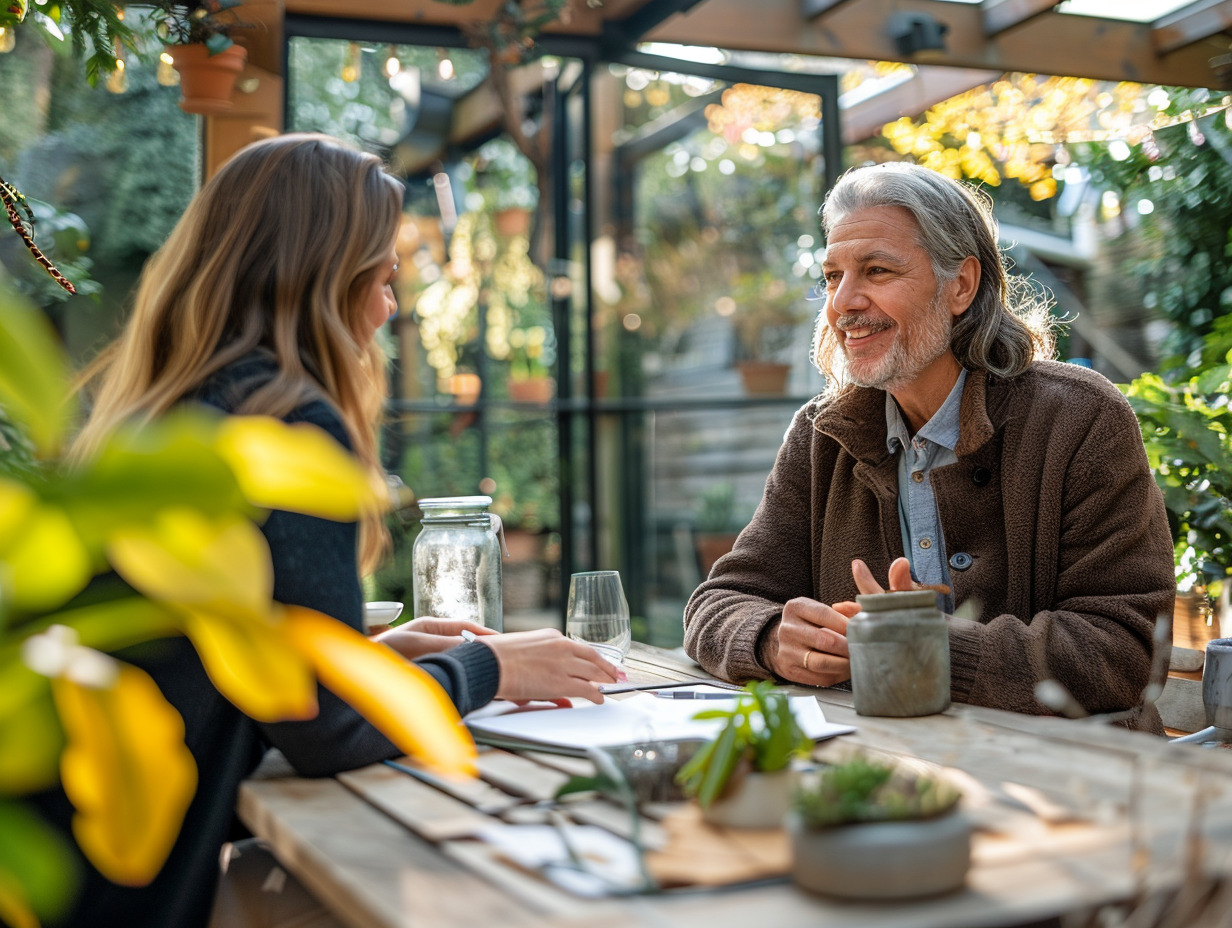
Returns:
<point x="1049" y="43"/>
<point x="1191" y="24"/>
<point x="927" y="87"/>
<point x="1000" y="15"/>
<point x="811" y="9"/>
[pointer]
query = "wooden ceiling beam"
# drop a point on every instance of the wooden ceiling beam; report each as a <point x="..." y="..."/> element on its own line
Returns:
<point x="1000" y="15"/>
<point x="928" y="87"/>
<point x="1190" y="24"/>
<point x="580" y="18"/>
<point x="1050" y="43"/>
<point x="811" y="9"/>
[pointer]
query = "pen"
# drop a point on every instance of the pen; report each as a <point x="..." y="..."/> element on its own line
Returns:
<point x="691" y="694"/>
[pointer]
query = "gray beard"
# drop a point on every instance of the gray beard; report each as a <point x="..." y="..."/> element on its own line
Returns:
<point x="915" y="348"/>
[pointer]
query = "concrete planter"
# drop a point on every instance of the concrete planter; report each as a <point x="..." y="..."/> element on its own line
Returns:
<point x="760" y="800"/>
<point x="882" y="860"/>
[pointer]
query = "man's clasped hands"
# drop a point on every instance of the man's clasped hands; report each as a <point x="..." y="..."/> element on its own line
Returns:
<point x="810" y="643"/>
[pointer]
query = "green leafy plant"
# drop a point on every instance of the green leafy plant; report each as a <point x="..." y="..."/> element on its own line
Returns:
<point x="94" y="26"/>
<point x="862" y="790"/>
<point x="716" y="509"/>
<point x="531" y="352"/>
<point x="1187" y="429"/>
<point x="760" y="735"/>
<point x="169" y="507"/>
<point x="198" y="22"/>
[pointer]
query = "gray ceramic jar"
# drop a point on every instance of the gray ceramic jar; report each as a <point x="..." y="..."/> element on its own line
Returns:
<point x="900" y="655"/>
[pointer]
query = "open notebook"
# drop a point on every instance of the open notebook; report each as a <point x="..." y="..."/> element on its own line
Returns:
<point x="635" y="719"/>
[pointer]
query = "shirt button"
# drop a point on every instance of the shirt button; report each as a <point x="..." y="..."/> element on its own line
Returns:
<point x="926" y="543"/>
<point x="918" y="476"/>
<point x="961" y="561"/>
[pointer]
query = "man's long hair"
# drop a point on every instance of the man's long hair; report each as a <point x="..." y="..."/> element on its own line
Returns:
<point x="276" y="252"/>
<point x="1007" y="326"/>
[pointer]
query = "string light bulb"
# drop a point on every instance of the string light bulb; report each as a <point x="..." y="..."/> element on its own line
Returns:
<point x="444" y="67"/>
<point x="117" y="80"/>
<point x="166" y="74"/>
<point x="353" y="63"/>
<point x="8" y="39"/>
<point x="392" y="64"/>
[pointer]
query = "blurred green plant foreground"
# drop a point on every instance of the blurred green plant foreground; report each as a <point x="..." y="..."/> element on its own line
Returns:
<point x="170" y="507"/>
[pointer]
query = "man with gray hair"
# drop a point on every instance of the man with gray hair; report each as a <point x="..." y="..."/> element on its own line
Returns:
<point x="948" y="451"/>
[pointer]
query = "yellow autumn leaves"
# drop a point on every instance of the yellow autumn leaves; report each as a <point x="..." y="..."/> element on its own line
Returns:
<point x="169" y="507"/>
<point x="1012" y="127"/>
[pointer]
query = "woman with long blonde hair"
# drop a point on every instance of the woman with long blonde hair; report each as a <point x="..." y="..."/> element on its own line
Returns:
<point x="265" y="300"/>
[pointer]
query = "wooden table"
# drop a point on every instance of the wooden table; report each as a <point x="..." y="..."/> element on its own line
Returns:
<point x="1072" y="816"/>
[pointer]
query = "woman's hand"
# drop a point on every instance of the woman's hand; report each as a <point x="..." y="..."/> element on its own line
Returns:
<point x="429" y="635"/>
<point x="544" y="664"/>
<point x="811" y="642"/>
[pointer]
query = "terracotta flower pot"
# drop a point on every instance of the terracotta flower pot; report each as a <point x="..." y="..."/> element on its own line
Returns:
<point x="532" y="390"/>
<point x="764" y="378"/>
<point x="512" y="221"/>
<point x="882" y="860"/>
<point x="206" y="81"/>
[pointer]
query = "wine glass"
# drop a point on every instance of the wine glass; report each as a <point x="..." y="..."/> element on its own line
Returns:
<point x="598" y="613"/>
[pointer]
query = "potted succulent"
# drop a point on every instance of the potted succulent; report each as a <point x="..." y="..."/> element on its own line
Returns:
<point x="868" y="830"/>
<point x="744" y="777"/>
<point x="717" y="525"/>
<point x="197" y="35"/>
<point x="531" y="353"/>
<point x="767" y="319"/>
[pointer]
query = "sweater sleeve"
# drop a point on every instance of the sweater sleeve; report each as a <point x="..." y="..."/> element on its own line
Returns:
<point x="316" y="566"/>
<point x="731" y="616"/>
<point x="1113" y="579"/>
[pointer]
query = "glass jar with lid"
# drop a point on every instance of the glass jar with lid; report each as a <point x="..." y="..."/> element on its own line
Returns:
<point x="900" y="655"/>
<point x="457" y="561"/>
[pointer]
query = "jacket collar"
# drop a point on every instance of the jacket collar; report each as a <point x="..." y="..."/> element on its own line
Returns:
<point x="856" y="420"/>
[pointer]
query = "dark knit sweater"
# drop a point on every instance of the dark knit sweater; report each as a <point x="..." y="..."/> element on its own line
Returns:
<point x="315" y="565"/>
<point x="1069" y="554"/>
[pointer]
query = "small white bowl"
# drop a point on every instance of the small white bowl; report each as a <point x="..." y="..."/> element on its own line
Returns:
<point x="381" y="613"/>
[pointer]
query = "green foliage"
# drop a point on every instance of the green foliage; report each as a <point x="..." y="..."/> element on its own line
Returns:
<point x="723" y="242"/>
<point x="124" y="163"/>
<point x="716" y="509"/>
<point x="16" y="450"/>
<point x="36" y="859"/>
<point x="522" y="462"/>
<point x="94" y="27"/>
<point x="760" y="733"/>
<point x="368" y="111"/>
<point x="861" y="790"/>
<point x="193" y="22"/>
<point x="1187" y="430"/>
<point x="64" y="238"/>
<point x="504" y="176"/>
<point x="32" y="377"/>
<point x="1185" y="171"/>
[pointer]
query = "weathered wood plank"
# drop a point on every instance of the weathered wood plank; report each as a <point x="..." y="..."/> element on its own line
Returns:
<point x="1064" y="811"/>
<point x="363" y="865"/>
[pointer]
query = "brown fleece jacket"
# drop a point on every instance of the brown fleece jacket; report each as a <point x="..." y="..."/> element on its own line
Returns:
<point x="1053" y="500"/>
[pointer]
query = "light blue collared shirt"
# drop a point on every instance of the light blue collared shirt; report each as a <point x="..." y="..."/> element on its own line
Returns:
<point x="933" y="446"/>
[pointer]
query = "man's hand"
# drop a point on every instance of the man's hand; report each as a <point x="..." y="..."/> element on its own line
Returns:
<point x="811" y="642"/>
<point x="900" y="578"/>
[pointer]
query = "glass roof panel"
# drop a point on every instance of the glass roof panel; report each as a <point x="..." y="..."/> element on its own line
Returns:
<point x="1142" y="11"/>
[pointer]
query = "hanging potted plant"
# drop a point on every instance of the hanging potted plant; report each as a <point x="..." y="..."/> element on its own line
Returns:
<point x="866" y="830"/>
<point x="743" y="778"/>
<point x="199" y="44"/>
